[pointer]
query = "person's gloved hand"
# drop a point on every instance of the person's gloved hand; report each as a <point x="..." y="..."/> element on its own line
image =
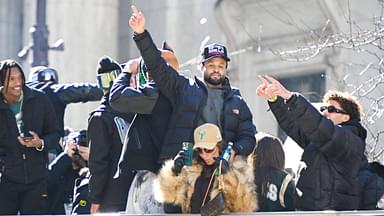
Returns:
<point x="224" y="164"/>
<point x="178" y="161"/>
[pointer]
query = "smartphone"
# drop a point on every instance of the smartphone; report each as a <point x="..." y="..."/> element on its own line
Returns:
<point x="26" y="139"/>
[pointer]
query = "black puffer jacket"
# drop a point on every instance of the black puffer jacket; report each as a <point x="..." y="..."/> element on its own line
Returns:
<point x="332" y="154"/>
<point x="188" y="97"/>
<point x="27" y="165"/>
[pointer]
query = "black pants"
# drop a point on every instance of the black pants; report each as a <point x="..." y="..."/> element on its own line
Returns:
<point x="22" y="198"/>
<point x="115" y="197"/>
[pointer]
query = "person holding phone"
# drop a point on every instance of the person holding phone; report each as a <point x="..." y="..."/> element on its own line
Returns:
<point x="28" y="130"/>
<point x="198" y="183"/>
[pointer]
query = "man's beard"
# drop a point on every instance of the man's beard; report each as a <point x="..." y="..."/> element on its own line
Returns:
<point x="214" y="82"/>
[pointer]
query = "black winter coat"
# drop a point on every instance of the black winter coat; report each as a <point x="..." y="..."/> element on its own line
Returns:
<point x="188" y="97"/>
<point x="332" y="154"/>
<point x="151" y="123"/>
<point x="63" y="94"/>
<point x="27" y="165"/>
<point x="106" y="130"/>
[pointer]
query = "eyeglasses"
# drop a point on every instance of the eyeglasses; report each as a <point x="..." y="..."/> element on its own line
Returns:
<point x="105" y="80"/>
<point x="207" y="151"/>
<point x="332" y="109"/>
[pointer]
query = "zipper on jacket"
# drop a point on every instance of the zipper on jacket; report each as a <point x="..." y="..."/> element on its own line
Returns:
<point x="138" y="143"/>
<point x="222" y="122"/>
<point x="201" y="105"/>
<point x="24" y="156"/>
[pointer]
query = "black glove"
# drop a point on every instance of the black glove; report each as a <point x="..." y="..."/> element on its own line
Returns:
<point x="224" y="164"/>
<point x="178" y="161"/>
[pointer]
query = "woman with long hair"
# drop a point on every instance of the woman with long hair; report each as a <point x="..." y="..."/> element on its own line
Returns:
<point x="274" y="186"/>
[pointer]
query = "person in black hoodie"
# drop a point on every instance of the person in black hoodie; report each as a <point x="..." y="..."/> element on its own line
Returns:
<point x="152" y="107"/>
<point x="333" y="141"/>
<point x="107" y="131"/>
<point x="153" y="111"/>
<point x="28" y="130"/>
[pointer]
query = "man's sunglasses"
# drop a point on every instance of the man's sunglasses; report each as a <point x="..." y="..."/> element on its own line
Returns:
<point x="207" y="151"/>
<point x="332" y="109"/>
<point x="105" y="80"/>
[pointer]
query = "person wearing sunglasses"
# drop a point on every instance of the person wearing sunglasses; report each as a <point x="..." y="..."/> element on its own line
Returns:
<point x="333" y="141"/>
<point x="107" y="130"/>
<point x="188" y="188"/>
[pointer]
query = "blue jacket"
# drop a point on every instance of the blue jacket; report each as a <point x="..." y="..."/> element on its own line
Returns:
<point x="188" y="97"/>
<point x="332" y="154"/>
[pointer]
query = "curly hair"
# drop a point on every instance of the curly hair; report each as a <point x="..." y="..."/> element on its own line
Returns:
<point x="347" y="102"/>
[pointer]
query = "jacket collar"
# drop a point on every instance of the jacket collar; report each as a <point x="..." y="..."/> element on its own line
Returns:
<point x="226" y="86"/>
<point x="356" y="128"/>
<point x="28" y="93"/>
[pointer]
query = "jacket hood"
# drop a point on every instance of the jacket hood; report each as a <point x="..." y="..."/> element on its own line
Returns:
<point x="104" y="104"/>
<point x="357" y="128"/>
<point x="106" y="107"/>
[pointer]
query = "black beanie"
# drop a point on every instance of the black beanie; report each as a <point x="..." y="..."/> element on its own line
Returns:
<point x="107" y="64"/>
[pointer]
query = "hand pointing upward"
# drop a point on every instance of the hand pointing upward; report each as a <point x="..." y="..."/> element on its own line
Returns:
<point x="137" y="20"/>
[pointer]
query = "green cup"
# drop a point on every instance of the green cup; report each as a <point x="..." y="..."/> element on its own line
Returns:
<point x="188" y="147"/>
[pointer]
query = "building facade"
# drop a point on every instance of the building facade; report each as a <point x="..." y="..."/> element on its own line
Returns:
<point x="309" y="45"/>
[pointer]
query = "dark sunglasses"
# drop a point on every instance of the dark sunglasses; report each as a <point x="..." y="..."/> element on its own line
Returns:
<point x="332" y="109"/>
<point x="207" y="151"/>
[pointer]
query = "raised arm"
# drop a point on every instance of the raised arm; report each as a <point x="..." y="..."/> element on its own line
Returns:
<point x="166" y="77"/>
<point x="277" y="95"/>
<point x="126" y="99"/>
<point x="77" y="92"/>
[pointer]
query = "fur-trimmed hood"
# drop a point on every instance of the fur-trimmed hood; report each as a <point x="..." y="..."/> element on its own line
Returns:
<point x="238" y="186"/>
